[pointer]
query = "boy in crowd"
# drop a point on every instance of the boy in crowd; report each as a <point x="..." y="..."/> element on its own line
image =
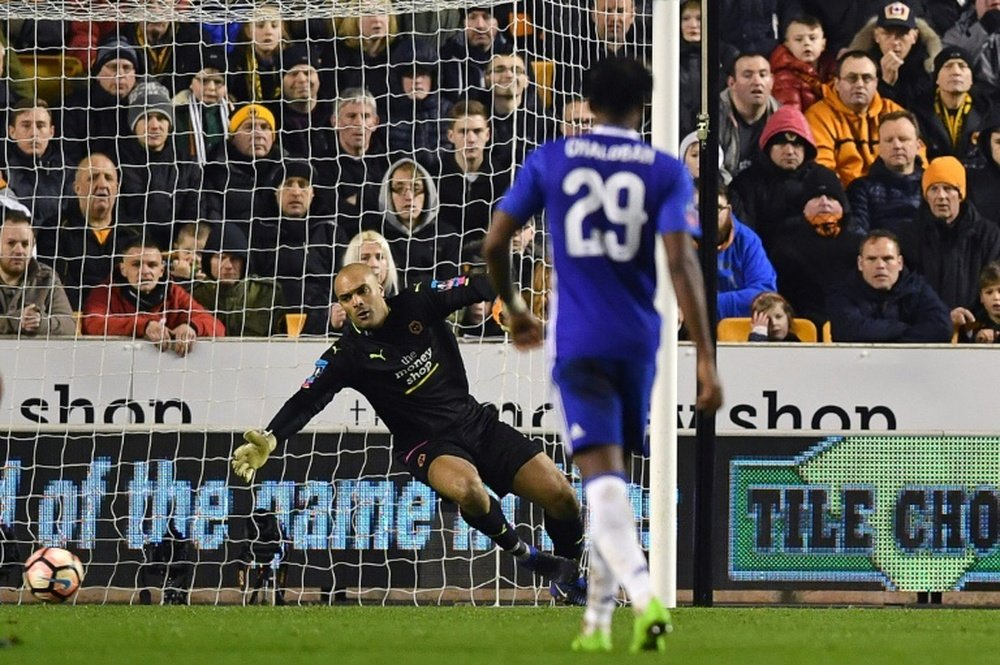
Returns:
<point x="801" y="65"/>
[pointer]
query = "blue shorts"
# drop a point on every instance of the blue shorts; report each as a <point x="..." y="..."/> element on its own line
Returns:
<point x="604" y="401"/>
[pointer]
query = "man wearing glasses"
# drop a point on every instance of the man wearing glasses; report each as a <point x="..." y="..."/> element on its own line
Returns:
<point x="845" y="122"/>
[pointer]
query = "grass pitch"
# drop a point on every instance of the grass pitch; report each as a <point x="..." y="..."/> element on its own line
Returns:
<point x="108" y="635"/>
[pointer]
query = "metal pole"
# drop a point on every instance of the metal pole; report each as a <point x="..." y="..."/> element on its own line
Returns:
<point x="707" y="207"/>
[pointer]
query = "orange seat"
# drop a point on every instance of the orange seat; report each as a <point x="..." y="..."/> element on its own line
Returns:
<point x="737" y="329"/>
<point x="827" y="333"/>
<point x="51" y="77"/>
<point x="544" y="76"/>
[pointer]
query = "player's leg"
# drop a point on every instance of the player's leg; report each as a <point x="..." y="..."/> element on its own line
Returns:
<point x="614" y="537"/>
<point x="509" y="462"/>
<point x="540" y="481"/>
<point x="602" y="590"/>
<point x="457" y="479"/>
<point x="601" y="402"/>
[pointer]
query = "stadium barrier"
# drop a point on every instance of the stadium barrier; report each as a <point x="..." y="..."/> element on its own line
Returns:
<point x="877" y="481"/>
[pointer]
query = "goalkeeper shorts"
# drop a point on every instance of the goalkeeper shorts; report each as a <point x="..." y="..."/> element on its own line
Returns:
<point x="498" y="453"/>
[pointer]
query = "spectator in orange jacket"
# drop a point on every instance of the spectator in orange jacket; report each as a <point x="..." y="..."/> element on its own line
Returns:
<point x="143" y="306"/>
<point x="845" y="122"/>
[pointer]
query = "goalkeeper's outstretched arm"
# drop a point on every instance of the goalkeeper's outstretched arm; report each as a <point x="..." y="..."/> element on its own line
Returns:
<point x="317" y="391"/>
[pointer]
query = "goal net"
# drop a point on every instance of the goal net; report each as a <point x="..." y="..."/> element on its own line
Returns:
<point x="266" y="135"/>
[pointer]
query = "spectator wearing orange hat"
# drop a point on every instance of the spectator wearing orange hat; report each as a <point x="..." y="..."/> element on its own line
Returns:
<point x="953" y="241"/>
<point x="241" y="169"/>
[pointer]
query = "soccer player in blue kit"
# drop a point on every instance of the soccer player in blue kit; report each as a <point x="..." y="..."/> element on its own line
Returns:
<point x="608" y="197"/>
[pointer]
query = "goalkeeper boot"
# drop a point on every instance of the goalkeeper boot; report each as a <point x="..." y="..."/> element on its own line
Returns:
<point x="573" y="592"/>
<point x="649" y="633"/>
<point x="547" y="565"/>
<point x="598" y="641"/>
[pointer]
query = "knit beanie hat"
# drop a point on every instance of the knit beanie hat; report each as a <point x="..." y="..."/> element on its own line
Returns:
<point x="293" y="168"/>
<point x="114" y="49"/>
<point x="299" y="53"/>
<point x="947" y="170"/>
<point x="150" y="97"/>
<point x="260" y="111"/>
<point x="724" y="175"/>
<point x="952" y="53"/>
<point x="820" y="181"/>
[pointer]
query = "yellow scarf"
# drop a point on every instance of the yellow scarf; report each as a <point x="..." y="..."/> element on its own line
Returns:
<point x="953" y="120"/>
<point x="157" y="55"/>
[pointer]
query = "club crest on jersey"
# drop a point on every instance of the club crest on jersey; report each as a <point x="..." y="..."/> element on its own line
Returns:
<point x="320" y="366"/>
<point x="416" y="327"/>
<point x="448" y="284"/>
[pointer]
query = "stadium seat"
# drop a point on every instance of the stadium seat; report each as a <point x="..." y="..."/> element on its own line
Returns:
<point x="827" y="334"/>
<point x="520" y="24"/>
<point x="545" y="75"/>
<point x="737" y="329"/>
<point x="53" y="76"/>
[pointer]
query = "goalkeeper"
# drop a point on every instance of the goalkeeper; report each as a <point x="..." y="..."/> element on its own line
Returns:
<point x="401" y="355"/>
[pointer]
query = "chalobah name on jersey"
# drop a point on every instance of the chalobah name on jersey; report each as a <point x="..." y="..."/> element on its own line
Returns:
<point x="621" y="152"/>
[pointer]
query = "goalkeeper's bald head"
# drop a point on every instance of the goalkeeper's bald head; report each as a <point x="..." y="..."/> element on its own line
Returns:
<point x="358" y="291"/>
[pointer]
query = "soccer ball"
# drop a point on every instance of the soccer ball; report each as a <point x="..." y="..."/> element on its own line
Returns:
<point x="53" y="574"/>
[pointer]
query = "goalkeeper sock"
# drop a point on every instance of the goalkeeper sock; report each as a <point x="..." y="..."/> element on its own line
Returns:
<point x="499" y="530"/>
<point x="567" y="536"/>
<point x="601" y="590"/>
<point x="612" y="531"/>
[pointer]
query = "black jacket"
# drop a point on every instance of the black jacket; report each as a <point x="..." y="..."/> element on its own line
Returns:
<point x="467" y="205"/>
<point x="885" y="199"/>
<point x="749" y="25"/>
<point x="950" y="256"/>
<point x="935" y="134"/>
<point x="908" y="312"/>
<point x="305" y="135"/>
<point x="93" y="120"/>
<point x="84" y="262"/>
<point x="41" y="184"/>
<point x="298" y="254"/>
<point x="913" y="84"/>
<point x="159" y="189"/>
<point x="238" y="189"/>
<point x="809" y="266"/>
<point x="983" y="172"/>
<point x="766" y="197"/>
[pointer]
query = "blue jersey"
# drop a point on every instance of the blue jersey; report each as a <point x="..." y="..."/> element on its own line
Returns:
<point x="608" y="197"/>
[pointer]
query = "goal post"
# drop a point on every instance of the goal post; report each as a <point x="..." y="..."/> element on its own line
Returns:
<point x="119" y="452"/>
<point x="663" y="497"/>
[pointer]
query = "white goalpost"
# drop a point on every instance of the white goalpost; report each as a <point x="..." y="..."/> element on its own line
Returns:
<point x="663" y="407"/>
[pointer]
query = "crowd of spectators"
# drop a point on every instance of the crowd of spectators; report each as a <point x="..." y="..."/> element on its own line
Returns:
<point x="204" y="180"/>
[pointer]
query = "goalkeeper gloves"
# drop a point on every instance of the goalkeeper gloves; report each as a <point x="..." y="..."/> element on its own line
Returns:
<point x="251" y="455"/>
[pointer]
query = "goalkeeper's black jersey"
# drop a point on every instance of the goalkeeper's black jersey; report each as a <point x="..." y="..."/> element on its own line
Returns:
<point x="410" y="369"/>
